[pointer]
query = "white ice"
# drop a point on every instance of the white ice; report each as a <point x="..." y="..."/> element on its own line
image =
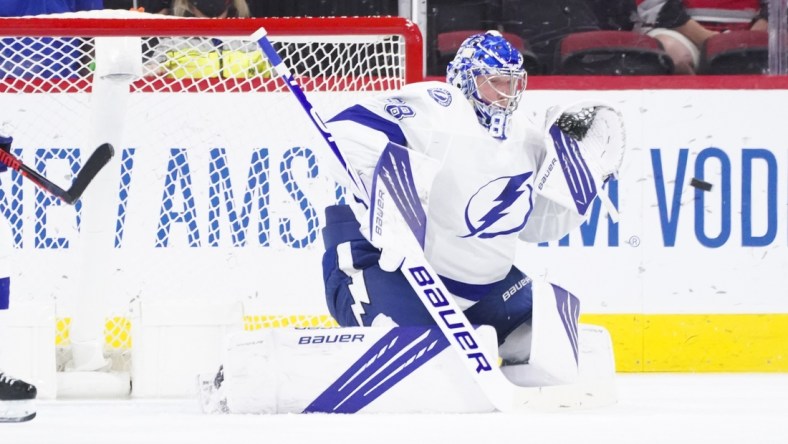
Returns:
<point x="652" y="408"/>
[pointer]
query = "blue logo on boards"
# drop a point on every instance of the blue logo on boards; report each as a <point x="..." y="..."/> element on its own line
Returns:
<point x="440" y="95"/>
<point x="235" y="212"/>
<point x="213" y="205"/>
<point x="398" y="109"/>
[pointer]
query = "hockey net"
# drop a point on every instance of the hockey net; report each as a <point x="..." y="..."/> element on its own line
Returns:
<point x="215" y="192"/>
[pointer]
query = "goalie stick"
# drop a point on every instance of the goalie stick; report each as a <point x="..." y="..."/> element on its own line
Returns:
<point x="463" y="339"/>
<point x="94" y="164"/>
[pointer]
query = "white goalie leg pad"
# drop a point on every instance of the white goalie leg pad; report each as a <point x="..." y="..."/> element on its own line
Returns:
<point x="559" y="349"/>
<point x="349" y="370"/>
<point x="553" y="351"/>
<point x="597" y="360"/>
<point x="251" y="372"/>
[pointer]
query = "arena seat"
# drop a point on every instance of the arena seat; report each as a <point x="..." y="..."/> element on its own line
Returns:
<point x="611" y="53"/>
<point x="446" y="16"/>
<point x="544" y="23"/>
<point x="736" y="52"/>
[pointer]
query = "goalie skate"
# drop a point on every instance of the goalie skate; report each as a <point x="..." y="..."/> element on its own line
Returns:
<point x="17" y="400"/>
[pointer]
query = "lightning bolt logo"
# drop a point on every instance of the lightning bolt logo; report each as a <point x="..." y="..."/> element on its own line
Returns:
<point x="513" y="189"/>
<point x="358" y="289"/>
<point x="357" y="286"/>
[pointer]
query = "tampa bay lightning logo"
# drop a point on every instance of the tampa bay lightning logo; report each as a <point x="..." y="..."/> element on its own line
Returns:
<point x="500" y="207"/>
<point x="440" y="95"/>
<point x="399" y="109"/>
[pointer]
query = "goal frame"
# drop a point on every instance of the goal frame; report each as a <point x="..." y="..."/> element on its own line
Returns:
<point x="276" y="26"/>
<point x="31" y="324"/>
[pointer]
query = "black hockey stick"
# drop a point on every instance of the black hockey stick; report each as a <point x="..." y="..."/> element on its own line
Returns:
<point x="95" y="163"/>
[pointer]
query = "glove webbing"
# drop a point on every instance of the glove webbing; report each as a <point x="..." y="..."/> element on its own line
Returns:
<point x="576" y="125"/>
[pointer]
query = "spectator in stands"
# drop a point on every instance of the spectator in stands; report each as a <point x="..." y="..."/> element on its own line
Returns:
<point x="210" y="8"/>
<point x="20" y="8"/>
<point x="152" y="6"/>
<point x="542" y="24"/>
<point x="682" y="26"/>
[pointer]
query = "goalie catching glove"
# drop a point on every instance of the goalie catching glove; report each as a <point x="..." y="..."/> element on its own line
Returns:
<point x="586" y="143"/>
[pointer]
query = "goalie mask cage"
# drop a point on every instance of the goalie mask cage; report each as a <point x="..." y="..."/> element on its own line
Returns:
<point x="209" y="213"/>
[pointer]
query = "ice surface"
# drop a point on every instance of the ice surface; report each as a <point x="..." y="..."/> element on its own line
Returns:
<point x="652" y="408"/>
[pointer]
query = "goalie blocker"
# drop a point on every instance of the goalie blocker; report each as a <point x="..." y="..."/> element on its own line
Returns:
<point x="403" y="369"/>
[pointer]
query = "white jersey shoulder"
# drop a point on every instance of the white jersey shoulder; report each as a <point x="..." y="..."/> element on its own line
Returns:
<point x="424" y="111"/>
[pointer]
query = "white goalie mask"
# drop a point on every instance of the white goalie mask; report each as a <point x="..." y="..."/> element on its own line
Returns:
<point x="489" y="71"/>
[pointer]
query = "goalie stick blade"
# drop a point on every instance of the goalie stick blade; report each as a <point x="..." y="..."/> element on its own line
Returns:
<point x="100" y="157"/>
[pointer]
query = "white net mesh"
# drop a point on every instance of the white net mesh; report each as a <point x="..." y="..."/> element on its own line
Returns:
<point x="208" y="64"/>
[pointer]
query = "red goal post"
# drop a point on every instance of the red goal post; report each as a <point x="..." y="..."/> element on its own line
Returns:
<point x="215" y="193"/>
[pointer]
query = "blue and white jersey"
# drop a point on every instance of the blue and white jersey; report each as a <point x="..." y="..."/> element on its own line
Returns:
<point x="483" y="195"/>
